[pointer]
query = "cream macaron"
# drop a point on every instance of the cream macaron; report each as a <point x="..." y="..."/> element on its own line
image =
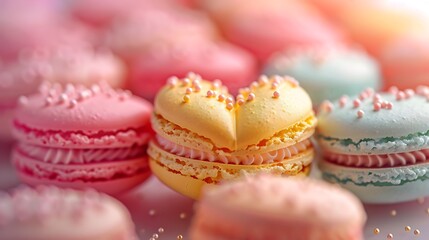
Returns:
<point x="204" y="135"/>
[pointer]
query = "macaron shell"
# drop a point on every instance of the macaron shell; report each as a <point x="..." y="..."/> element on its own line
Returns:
<point x="102" y="176"/>
<point x="380" y="185"/>
<point x="63" y="214"/>
<point x="210" y="117"/>
<point x="327" y="74"/>
<point x="408" y="116"/>
<point x="100" y="112"/>
<point x="188" y="176"/>
<point x="265" y="116"/>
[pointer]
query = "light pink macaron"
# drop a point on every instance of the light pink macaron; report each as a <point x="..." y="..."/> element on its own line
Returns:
<point x="81" y="137"/>
<point x="50" y="213"/>
<point x="232" y="65"/>
<point x="405" y="62"/>
<point x="76" y="65"/>
<point x="277" y="208"/>
<point x="16" y="79"/>
<point x="133" y="34"/>
<point x="264" y="29"/>
<point x="41" y="25"/>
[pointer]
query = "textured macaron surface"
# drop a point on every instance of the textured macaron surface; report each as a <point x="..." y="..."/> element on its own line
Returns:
<point x="52" y="213"/>
<point x="327" y="73"/>
<point x="273" y="197"/>
<point x="77" y="115"/>
<point x="268" y="107"/>
<point x="376" y="123"/>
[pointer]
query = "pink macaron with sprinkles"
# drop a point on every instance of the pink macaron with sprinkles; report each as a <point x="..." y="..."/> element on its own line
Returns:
<point x="377" y="144"/>
<point x="79" y="137"/>
<point x="277" y="208"/>
<point x="51" y="213"/>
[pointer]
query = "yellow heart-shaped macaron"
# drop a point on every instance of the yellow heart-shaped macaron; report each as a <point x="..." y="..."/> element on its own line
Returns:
<point x="200" y="126"/>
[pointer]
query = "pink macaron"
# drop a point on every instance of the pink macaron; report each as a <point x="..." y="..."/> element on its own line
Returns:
<point x="77" y="65"/>
<point x="405" y="62"/>
<point x="81" y="137"/>
<point x="133" y="34"/>
<point x="267" y="28"/>
<point x="41" y="25"/>
<point x="278" y="208"/>
<point x="235" y="67"/>
<point x="16" y="79"/>
<point x="50" y="213"/>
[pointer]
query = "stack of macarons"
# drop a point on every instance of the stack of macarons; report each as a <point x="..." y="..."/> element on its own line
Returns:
<point x="204" y="135"/>
<point x="377" y="144"/>
<point x="327" y="73"/>
<point x="79" y="137"/>
<point x="48" y="213"/>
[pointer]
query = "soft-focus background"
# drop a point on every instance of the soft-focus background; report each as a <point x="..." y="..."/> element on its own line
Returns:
<point x="333" y="47"/>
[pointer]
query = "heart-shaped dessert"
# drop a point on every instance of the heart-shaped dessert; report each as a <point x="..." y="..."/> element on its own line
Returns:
<point x="204" y="135"/>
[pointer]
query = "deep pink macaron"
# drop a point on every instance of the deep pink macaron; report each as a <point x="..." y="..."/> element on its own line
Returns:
<point x="82" y="137"/>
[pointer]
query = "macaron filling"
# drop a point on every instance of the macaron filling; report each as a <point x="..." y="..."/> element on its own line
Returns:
<point x="79" y="156"/>
<point x="88" y="172"/>
<point x="77" y="139"/>
<point x="378" y="160"/>
<point x="223" y="157"/>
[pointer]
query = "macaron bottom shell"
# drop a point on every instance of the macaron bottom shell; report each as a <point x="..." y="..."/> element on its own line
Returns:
<point x="380" y="185"/>
<point x="188" y="176"/>
<point x="113" y="177"/>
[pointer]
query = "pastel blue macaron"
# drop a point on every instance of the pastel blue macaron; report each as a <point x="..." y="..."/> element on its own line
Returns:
<point x="327" y="73"/>
<point x="377" y="145"/>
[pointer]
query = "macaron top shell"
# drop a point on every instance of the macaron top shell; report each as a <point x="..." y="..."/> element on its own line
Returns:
<point x="401" y="116"/>
<point x="320" y="69"/>
<point x="261" y="111"/>
<point x="52" y="213"/>
<point x="287" y="199"/>
<point x="210" y="118"/>
<point x="77" y="108"/>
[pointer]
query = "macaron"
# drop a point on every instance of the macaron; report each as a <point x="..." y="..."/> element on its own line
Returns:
<point x="327" y="73"/>
<point x="376" y="144"/>
<point x="48" y="213"/>
<point x="132" y="35"/>
<point x="16" y="79"/>
<point x="277" y="208"/>
<point x="267" y="28"/>
<point x="212" y="60"/>
<point x="41" y="26"/>
<point x="204" y="136"/>
<point x="77" y="65"/>
<point x="405" y="61"/>
<point x="81" y="137"/>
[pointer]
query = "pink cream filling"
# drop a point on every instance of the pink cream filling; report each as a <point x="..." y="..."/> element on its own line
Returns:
<point x="77" y="139"/>
<point x="78" y="156"/>
<point x="252" y="159"/>
<point x="380" y="160"/>
<point x="80" y="172"/>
